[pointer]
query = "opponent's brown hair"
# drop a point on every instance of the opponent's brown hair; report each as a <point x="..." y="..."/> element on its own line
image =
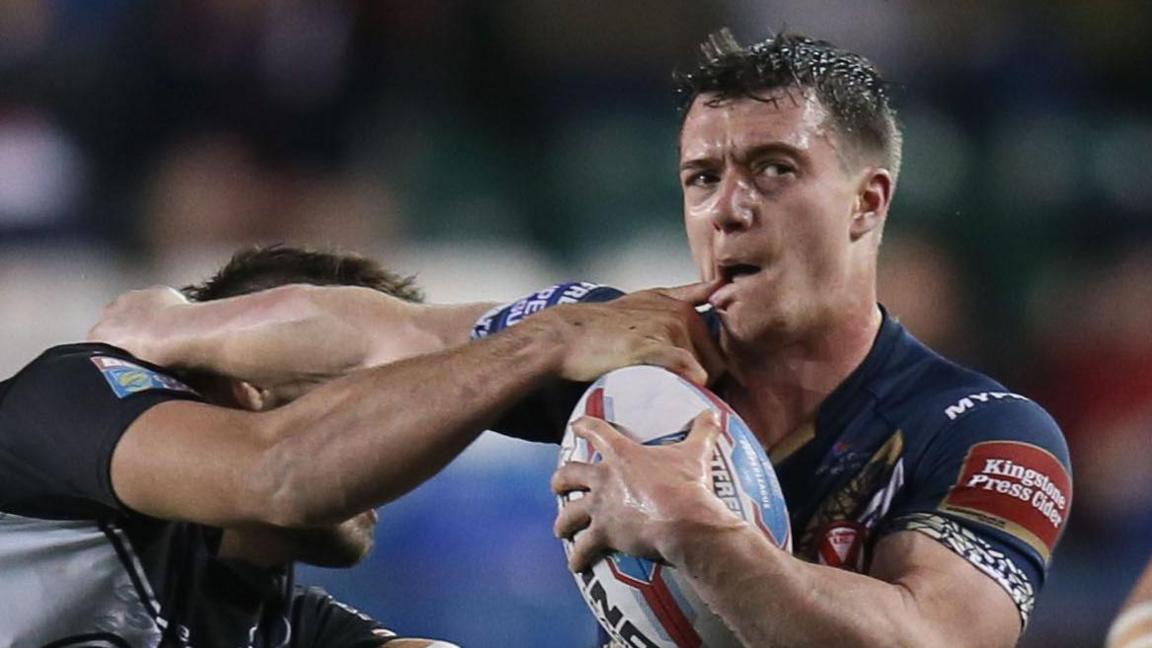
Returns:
<point x="259" y="268"/>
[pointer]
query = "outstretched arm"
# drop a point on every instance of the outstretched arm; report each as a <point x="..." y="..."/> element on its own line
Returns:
<point x="286" y="338"/>
<point x="364" y="439"/>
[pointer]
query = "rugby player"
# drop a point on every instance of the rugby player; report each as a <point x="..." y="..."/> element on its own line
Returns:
<point x="926" y="499"/>
<point x="142" y="508"/>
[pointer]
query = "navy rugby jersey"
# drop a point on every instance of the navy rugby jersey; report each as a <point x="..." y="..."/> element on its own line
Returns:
<point x="78" y="568"/>
<point x="909" y="441"/>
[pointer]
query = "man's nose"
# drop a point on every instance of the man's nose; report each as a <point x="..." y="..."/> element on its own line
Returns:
<point x="736" y="204"/>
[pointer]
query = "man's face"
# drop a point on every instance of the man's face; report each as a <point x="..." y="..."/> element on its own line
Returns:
<point x="343" y="546"/>
<point x="768" y="203"/>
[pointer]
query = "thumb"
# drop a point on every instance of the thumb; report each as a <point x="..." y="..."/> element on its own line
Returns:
<point x="704" y="431"/>
<point x="694" y="293"/>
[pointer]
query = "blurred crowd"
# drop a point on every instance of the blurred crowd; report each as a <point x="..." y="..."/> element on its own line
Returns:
<point x="493" y="147"/>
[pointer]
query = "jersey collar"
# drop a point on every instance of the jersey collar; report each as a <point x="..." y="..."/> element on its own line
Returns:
<point x="843" y="402"/>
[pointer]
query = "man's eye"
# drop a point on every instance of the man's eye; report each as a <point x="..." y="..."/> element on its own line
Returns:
<point x="701" y="179"/>
<point x="777" y="169"/>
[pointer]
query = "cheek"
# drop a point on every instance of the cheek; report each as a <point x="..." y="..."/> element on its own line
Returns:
<point x="817" y="238"/>
<point x="699" y="232"/>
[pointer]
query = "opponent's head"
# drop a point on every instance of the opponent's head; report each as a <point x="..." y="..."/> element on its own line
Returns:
<point x="258" y="268"/>
<point x="789" y="152"/>
<point x="261" y="268"/>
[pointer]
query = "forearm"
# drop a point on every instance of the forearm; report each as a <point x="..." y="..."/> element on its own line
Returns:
<point x="291" y="334"/>
<point x="770" y="598"/>
<point x="368" y="438"/>
<point x="450" y="325"/>
<point x="317" y="333"/>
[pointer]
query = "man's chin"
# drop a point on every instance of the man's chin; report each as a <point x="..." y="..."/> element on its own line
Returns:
<point x="743" y="332"/>
<point x="349" y="552"/>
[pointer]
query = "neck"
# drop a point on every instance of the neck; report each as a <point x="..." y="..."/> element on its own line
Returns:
<point x="777" y="389"/>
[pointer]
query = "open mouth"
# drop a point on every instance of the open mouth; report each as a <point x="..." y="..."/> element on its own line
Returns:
<point x="730" y="273"/>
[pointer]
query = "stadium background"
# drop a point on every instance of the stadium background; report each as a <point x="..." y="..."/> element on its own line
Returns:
<point x="493" y="147"/>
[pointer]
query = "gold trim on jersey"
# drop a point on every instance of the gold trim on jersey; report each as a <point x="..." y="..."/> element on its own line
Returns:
<point x="1004" y="524"/>
<point x="788" y="446"/>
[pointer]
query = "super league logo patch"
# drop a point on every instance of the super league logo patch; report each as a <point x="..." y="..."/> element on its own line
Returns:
<point x="1017" y="487"/>
<point x="127" y="378"/>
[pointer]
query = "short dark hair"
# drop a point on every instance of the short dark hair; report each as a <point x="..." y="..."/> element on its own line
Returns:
<point x="259" y="268"/>
<point x="846" y="84"/>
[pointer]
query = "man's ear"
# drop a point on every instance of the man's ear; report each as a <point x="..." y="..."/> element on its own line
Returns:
<point x="249" y="396"/>
<point x="873" y="197"/>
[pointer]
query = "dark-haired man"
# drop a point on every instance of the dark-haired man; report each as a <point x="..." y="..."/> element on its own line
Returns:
<point x="141" y="508"/>
<point x="938" y="494"/>
<point x="926" y="499"/>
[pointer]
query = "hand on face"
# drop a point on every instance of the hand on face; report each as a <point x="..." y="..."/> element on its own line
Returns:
<point x="135" y="320"/>
<point x="656" y="327"/>
<point x="638" y="499"/>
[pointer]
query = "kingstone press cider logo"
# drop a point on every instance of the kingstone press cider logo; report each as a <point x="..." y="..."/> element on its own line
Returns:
<point x="1018" y="487"/>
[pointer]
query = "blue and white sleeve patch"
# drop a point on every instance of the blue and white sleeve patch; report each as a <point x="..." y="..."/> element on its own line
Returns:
<point x="127" y="378"/>
<point x="572" y="292"/>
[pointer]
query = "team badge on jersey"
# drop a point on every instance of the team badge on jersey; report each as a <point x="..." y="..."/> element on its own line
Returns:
<point x="842" y="545"/>
<point x="127" y="378"/>
<point x="1014" y="486"/>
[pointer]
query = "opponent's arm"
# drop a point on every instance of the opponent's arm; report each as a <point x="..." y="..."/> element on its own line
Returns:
<point x="294" y="335"/>
<point x="364" y="439"/>
<point x="657" y="502"/>
<point x="1133" y="626"/>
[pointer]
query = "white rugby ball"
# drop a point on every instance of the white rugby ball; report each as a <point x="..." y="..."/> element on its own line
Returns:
<point x="639" y="602"/>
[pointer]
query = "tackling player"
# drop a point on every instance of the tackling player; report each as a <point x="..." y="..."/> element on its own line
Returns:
<point x="139" y="508"/>
<point x="926" y="499"/>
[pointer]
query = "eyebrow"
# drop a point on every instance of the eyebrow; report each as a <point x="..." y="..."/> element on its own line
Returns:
<point x="752" y="152"/>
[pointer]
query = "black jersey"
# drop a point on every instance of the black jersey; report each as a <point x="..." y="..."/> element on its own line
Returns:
<point x="908" y="442"/>
<point x="79" y="568"/>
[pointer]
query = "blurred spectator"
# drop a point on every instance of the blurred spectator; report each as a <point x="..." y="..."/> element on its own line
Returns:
<point x="1095" y="374"/>
<point x="920" y="283"/>
<point x="42" y="174"/>
<point x="213" y="193"/>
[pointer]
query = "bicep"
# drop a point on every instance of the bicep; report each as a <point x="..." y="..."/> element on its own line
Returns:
<point x="184" y="460"/>
<point x="960" y="605"/>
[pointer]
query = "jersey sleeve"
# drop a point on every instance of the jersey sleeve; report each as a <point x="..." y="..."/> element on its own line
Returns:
<point x="60" y="420"/>
<point x="571" y="292"/>
<point x="995" y="487"/>
<point x="541" y="415"/>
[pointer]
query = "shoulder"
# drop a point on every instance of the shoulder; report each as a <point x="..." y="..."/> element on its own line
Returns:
<point x="980" y="452"/>
<point x="68" y="366"/>
<point x="321" y="621"/>
<point x="936" y="401"/>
